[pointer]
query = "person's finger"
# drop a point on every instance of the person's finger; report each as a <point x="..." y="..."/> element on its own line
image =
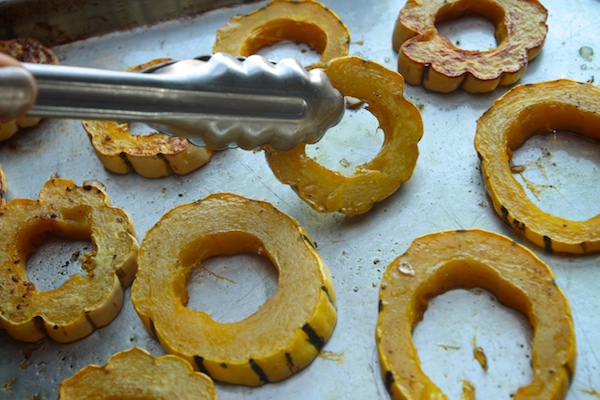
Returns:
<point x="6" y="60"/>
<point x="17" y="89"/>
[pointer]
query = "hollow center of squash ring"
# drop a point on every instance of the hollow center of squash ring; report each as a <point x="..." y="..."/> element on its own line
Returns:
<point x="232" y="282"/>
<point x="282" y="29"/>
<point x="53" y="251"/>
<point x="355" y="141"/>
<point x="555" y="170"/>
<point x="470" y="329"/>
<point x="554" y="157"/>
<point x="472" y="25"/>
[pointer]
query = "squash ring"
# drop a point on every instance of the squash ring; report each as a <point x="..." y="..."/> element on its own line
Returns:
<point x="82" y="303"/>
<point x="521" y="113"/>
<point x="151" y="156"/>
<point x="442" y="261"/>
<point x="282" y="337"/>
<point x="136" y="374"/>
<point x="306" y="21"/>
<point x="24" y="50"/>
<point x="427" y="58"/>
<point x="401" y="122"/>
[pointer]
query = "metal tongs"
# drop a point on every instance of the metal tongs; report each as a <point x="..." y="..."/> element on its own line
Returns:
<point x="218" y="101"/>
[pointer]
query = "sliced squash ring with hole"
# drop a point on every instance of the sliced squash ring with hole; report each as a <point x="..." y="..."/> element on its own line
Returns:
<point x="25" y="50"/>
<point x="136" y="374"/>
<point x="521" y="113"/>
<point x="288" y="330"/>
<point x="308" y="22"/>
<point x="442" y="261"/>
<point x="84" y="302"/>
<point x="152" y="156"/>
<point x="427" y="58"/>
<point x="401" y="123"/>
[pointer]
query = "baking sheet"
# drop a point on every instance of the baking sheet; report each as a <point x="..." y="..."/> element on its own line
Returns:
<point x="445" y="192"/>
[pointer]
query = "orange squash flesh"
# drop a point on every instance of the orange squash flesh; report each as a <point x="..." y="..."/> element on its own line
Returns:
<point x="523" y="112"/>
<point x="2" y="187"/>
<point x="306" y="21"/>
<point x="24" y="50"/>
<point x="401" y="122"/>
<point x="152" y="156"/>
<point x="427" y="58"/>
<point x="84" y="302"/>
<point x="442" y="261"/>
<point x="282" y="337"/>
<point x="136" y="374"/>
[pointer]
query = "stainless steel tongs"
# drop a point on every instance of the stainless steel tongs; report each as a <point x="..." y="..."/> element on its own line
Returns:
<point x="219" y="101"/>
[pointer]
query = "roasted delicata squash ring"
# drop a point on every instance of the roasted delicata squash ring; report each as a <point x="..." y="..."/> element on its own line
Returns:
<point x="136" y="374"/>
<point x="152" y="156"/>
<point x="282" y="337"/>
<point x="24" y="50"/>
<point x="427" y="58"/>
<point x="307" y="21"/>
<point x="84" y="302"/>
<point x="442" y="261"/>
<point x="525" y="111"/>
<point x="401" y="122"/>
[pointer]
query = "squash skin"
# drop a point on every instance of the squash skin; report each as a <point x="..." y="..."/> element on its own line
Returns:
<point x="446" y="260"/>
<point x="136" y="374"/>
<point x="327" y="191"/>
<point x="305" y="21"/>
<point x="524" y="111"/>
<point x="151" y="156"/>
<point x="427" y="58"/>
<point x="282" y="337"/>
<point x="24" y="50"/>
<point x="82" y="303"/>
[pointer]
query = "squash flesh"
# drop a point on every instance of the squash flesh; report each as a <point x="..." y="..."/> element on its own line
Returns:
<point x="307" y="22"/>
<point x="427" y="58"/>
<point x="152" y="156"/>
<point x="402" y="125"/>
<point x="84" y="302"/>
<point x="136" y="374"/>
<point x="268" y="346"/>
<point x="474" y="258"/>
<point x="525" y="111"/>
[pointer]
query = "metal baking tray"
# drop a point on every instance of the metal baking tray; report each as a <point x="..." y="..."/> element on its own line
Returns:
<point x="445" y="192"/>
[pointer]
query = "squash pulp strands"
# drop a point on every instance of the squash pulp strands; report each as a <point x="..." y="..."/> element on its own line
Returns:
<point x="218" y="101"/>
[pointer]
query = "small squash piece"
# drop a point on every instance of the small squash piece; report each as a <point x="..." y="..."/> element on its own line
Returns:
<point x="84" y="302"/>
<point x="402" y="125"/>
<point x="427" y="58"/>
<point x="305" y="21"/>
<point x="442" y="261"/>
<point x="25" y="50"/>
<point x="521" y="113"/>
<point x="136" y="374"/>
<point x="152" y="156"/>
<point x="2" y="187"/>
<point x="282" y="337"/>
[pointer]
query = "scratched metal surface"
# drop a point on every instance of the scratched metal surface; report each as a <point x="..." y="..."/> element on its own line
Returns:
<point x="445" y="192"/>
